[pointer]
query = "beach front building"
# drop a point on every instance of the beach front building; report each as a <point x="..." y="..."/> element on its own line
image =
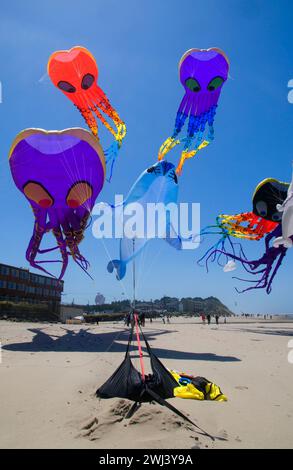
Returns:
<point x="20" y="286"/>
<point x="70" y="312"/>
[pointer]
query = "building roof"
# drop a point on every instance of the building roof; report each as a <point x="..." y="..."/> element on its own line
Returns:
<point x="28" y="271"/>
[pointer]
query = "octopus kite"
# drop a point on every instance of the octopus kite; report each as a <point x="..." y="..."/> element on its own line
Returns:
<point x="202" y="73"/>
<point x="75" y="73"/>
<point x="265" y="221"/>
<point x="61" y="173"/>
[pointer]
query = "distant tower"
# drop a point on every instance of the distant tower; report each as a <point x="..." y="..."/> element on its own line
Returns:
<point x="100" y="299"/>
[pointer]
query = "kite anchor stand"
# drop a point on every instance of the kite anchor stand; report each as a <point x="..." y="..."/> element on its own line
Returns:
<point x="132" y="410"/>
<point x="127" y="382"/>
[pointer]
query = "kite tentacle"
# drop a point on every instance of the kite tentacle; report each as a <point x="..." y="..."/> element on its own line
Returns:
<point x="62" y="247"/>
<point x="173" y="141"/>
<point x="87" y="113"/>
<point x="40" y="228"/>
<point x="278" y="265"/>
<point x="98" y="99"/>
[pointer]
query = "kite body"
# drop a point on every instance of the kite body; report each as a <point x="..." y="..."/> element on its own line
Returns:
<point x="202" y="73"/>
<point x="61" y="173"/>
<point x="75" y="73"/>
<point x="156" y="185"/>
<point x="287" y="220"/>
<point x="264" y="216"/>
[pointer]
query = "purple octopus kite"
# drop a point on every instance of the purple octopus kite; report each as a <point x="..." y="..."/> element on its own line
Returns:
<point x="265" y="267"/>
<point x="61" y="174"/>
<point x="202" y="73"/>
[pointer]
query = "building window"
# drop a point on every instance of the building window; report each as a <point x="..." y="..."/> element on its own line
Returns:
<point x="4" y="270"/>
<point x="11" y="285"/>
<point x="14" y="273"/>
<point x="24" y="275"/>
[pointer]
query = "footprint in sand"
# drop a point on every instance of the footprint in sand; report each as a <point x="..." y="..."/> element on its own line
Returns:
<point x="241" y="387"/>
<point x="222" y="435"/>
<point x="121" y="408"/>
<point x="145" y="414"/>
<point x="94" y="428"/>
<point x="89" y="427"/>
<point x="141" y="418"/>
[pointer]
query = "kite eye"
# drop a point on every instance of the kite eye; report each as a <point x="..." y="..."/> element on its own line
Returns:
<point x="78" y="194"/>
<point x="262" y="208"/>
<point x="37" y="193"/>
<point x="215" y="83"/>
<point x="151" y="169"/>
<point x="277" y="216"/>
<point x="87" y="81"/>
<point x="66" y="86"/>
<point x="193" y="85"/>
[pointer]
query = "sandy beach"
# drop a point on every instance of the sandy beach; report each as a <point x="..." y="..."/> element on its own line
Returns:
<point x="49" y="374"/>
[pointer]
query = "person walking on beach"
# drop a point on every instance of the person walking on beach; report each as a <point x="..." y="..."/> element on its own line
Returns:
<point x="209" y="319"/>
<point x="203" y="319"/>
<point x="130" y="319"/>
<point x="142" y="319"/>
<point x="217" y="319"/>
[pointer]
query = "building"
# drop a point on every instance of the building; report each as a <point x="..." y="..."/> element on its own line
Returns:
<point x="188" y="305"/>
<point x="20" y="285"/>
<point x="69" y="312"/>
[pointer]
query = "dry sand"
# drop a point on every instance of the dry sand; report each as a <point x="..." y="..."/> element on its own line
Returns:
<point x="49" y="374"/>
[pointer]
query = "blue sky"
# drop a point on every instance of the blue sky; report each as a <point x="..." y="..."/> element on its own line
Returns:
<point x="137" y="45"/>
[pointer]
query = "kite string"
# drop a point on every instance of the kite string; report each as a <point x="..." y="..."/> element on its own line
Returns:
<point x="144" y="254"/>
<point x="139" y="347"/>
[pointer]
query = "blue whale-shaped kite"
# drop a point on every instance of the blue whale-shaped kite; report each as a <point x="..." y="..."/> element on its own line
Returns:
<point x="157" y="184"/>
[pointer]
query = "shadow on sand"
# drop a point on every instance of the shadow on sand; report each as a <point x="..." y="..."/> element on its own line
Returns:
<point x="84" y="340"/>
<point x="262" y="330"/>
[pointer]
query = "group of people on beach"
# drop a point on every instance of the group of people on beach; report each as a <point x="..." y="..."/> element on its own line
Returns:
<point x="166" y="319"/>
<point x="130" y="318"/>
<point x="208" y="318"/>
